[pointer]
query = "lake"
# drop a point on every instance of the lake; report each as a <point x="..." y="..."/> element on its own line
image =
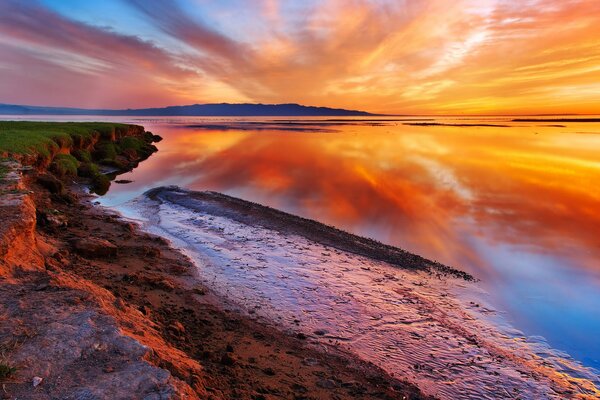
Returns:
<point x="517" y="204"/>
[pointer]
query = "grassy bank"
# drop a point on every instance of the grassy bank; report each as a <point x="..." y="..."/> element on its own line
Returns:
<point x="25" y="137"/>
<point x="70" y="149"/>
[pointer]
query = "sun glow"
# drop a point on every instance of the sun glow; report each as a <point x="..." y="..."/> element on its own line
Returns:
<point x="424" y="56"/>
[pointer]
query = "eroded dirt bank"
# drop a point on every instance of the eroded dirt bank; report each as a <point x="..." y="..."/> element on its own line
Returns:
<point x="91" y="308"/>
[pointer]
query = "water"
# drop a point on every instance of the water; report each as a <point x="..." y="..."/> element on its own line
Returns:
<point x="518" y="205"/>
<point x="413" y="324"/>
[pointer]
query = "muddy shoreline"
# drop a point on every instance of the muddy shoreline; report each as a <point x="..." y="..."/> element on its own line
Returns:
<point x="251" y="213"/>
<point x="139" y="287"/>
<point x="371" y="300"/>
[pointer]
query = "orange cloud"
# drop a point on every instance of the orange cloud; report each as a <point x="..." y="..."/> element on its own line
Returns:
<point x="420" y="56"/>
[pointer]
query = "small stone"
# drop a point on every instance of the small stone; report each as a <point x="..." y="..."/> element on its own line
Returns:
<point x="177" y="328"/>
<point x="199" y="291"/>
<point x="326" y="384"/>
<point x="226" y="359"/>
<point x="37" y="380"/>
<point x="51" y="183"/>
<point x="95" y="247"/>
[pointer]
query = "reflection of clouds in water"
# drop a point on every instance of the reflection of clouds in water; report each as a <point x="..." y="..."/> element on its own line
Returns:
<point x="520" y="211"/>
<point x="425" y="189"/>
<point x="445" y="178"/>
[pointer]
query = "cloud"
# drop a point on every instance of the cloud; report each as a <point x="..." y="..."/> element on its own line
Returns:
<point x="55" y="60"/>
<point x="416" y="56"/>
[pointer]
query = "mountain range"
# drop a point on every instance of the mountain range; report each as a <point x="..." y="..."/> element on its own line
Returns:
<point x="200" y="110"/>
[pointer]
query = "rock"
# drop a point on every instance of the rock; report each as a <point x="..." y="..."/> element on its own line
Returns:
<point x="152" y="279"/>
<point x="326" y="384"/>
<point x="228" y="360"/>
<point x="37" y="380"/>
<point x="51" y="183"/>
<point x="177" y="328"/>
<point x="150" y="251"/>
<point x="52" y="219"/>
<point x="95" y="247"/>
<point x="269" y="371"/>
<point x="199" y="290"/>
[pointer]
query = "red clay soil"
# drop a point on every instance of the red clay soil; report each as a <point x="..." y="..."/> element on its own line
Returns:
<point x="140" y="287"/>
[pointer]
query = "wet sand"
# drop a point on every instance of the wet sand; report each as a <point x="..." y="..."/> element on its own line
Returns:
<point x="150" y="293"/>
<point x="382" y="305"/>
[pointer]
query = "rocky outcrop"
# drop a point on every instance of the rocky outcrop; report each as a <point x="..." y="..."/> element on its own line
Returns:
<point x="18" y="246"/>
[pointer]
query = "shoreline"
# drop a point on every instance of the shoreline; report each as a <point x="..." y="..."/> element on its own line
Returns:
<point x="103" y="309"/>
<point x="209" y="227"/>
<point x="98" y="307"/>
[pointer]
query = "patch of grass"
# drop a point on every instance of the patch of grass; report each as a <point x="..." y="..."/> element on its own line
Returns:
<point x="28" y="137"/>
<point x="6" y="370"/>
<point x="106" y="151"/>
<point x="137" y="147"/>
<point x="65" y="165"/>
<point x="82" y="155"/>
<point x="100" y="184"/>
<point x="88" y="170"/>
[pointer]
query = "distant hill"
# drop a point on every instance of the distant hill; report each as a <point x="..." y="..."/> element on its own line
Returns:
<point x="195" y="110"/>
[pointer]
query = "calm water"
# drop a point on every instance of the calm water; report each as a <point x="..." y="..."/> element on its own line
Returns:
<point x="517" y="206"/>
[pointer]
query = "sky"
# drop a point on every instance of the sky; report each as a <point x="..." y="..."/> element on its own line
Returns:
<point x="388" y="56"/>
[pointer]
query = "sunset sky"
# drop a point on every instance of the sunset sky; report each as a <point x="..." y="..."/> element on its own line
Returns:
<point x="411" y="56"/>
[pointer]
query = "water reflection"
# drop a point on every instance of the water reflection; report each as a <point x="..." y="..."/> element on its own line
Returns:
<point x="516" y="206"/>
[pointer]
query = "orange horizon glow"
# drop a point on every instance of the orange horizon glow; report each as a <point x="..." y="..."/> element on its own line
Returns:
<point x="394" y="57"/>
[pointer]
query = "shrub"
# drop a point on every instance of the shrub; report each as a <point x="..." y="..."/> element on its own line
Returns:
<point x="142" y="148"/>
<point x="65" y="165"/>
<point x="82" y="155"/>
<point x="88" y="170"/>
<point x="119" y="163"/>
<point x="100" y="184"/>
<point x="105" y="151"/>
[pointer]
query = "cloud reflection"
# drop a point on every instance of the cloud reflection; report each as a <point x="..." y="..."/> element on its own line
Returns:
<point x="437" y="193"/>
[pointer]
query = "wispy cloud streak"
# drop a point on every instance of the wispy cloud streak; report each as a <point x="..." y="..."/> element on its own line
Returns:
<point x="418" y="56"/>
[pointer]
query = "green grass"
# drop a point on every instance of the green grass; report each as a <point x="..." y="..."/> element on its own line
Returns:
<point x="82" y="155"/>
<point x="6" y="370"/>
<point x="26" y="137"/>
<point x="88" y="169"/>
<point x="65" y="165"/>
<point x="46" y="138"/>
<point x="107" y="151"/>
